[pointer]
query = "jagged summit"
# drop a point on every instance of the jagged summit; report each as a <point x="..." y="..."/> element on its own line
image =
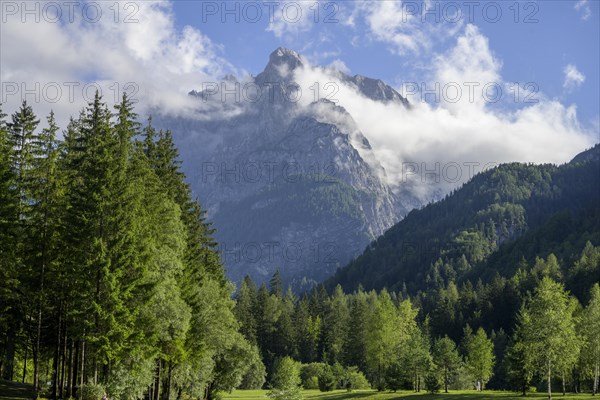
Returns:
<point x="282" y="62"/>
<point x="376" y="89"/>
<point x="281" y="55"/>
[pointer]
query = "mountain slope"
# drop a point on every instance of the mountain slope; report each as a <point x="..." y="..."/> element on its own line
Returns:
<point x="485" y="227"/>
<point x="289" y="187"/>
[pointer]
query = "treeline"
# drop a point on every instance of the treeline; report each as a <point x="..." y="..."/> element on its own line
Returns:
<point x="109" y="277"/>
<point x="512" y="334"/>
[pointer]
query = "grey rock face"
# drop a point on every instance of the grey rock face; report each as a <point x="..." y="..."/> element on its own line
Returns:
<point x="288" y="187"/>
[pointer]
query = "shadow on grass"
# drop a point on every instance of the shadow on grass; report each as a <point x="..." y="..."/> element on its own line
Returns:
<point x="14" y="390"/>
<point x="341" y="396"/>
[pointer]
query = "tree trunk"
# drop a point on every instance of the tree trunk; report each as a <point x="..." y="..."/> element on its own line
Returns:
<point x="73" y="368"/>
<point x="168" y="395"/>
<point x="61" y="391"/>
<point x="549" y="380"/>
<point x="563" y="384"/>
<point x="82" y="366"/>
<point x="596" y="373"/>
<point x="446" y="379"/>
<point x="9" y="356"/>
<point x="38" y="333"/>
<point x="25" y="363"/>
<point x="379" y="376"/>
<point x="95" y="371"/>
<point x="157" y="381"/>
<point x="56" y="361"/>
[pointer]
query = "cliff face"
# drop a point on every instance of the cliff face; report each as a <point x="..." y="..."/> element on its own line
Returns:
<point x="288" y="187"/>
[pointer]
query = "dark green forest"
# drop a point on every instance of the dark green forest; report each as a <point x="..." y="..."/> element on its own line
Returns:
<point x="109" y="275"/>
<point x="110" y="280"/>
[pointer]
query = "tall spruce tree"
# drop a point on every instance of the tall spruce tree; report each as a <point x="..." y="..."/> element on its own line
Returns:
<point x="10" y="305"/>
<point x="335" y="322"/>
<point x="446" y="359"/>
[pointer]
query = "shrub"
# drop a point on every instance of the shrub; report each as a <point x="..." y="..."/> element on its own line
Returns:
<point x="254" y="378"/>
<point x="309" y="374"/>
<point x="432" y="382"/>
<point x="394" y="376"/>
<point x="327" y="380"/>
<point x="356" y="380"/>
<point x="90" y="391"/>
<point x="130" y="379"/>
<point x="286" y="380"/>
<point x="311" y="383"/>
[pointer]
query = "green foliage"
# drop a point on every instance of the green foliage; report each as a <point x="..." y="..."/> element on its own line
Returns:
<point x="327" y="379"/>
<point x="309" y="375"/>
<point x="356" y="380"/>
<point x="394" y="376"/>
<point x="90" y="391"/>
<point x="507" y="213"/>
<point x="255" y="375"/>
<point x="130" y="379"/>
<point x="590" y="331"/>
<point x="546" y="331"/>
<point x="335" y="323"/>
<point x="447" y="360"/>
<point x="286" y="380"/>
<point x="110" y="269"/>
<point x="479" y="358"/>
<point x="432" y="382"/>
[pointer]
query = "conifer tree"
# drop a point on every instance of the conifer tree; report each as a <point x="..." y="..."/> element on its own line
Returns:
<point x="335" y="322"/>
<point x="10" y="306"/>
<point x="244" y="309"/>
<point x="447" y="359"/>
<point x="355" y="346"/>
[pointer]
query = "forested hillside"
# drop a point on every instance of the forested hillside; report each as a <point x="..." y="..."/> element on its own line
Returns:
<point x="485" y="228"/>
<point x="108" y="273"/>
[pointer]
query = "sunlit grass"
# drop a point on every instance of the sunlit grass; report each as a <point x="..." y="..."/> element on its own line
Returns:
<point x="371" y="394"/>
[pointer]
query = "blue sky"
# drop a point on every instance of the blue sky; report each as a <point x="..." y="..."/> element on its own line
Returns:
<point x="546" y="37"/>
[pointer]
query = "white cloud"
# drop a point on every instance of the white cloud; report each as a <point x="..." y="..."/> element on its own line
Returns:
<point x="573" y="78"/>
<point x="404" y="25"/>
<point x="468" y="63"/>
<point x="339" y="65"/>
<point x="583" y="7"/>
<point x="435" y="137"/>
<point x="150" y="57"/>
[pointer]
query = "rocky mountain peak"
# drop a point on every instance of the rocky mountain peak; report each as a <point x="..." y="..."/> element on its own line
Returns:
<point x="282" y="63"/>
<point x="377" y="90"/>
<point x="283" y="55"/>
